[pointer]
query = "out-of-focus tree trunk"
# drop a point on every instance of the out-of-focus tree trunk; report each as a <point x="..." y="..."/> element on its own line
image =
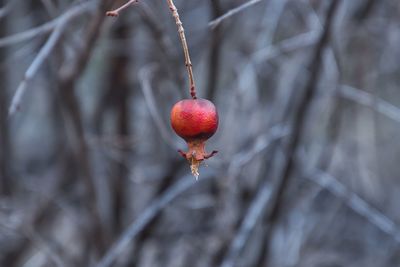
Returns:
<point x="365" y="9"/>
<point x="68" y="77"/>
<point x="119" y="89"/>
<point x="299" y="122"/>
<point x="5" y="146"/>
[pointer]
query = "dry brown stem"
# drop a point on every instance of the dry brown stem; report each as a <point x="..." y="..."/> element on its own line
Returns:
<point x="181" y="32"/>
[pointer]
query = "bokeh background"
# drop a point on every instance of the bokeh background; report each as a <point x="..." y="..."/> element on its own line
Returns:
<point x="307" y="172"/>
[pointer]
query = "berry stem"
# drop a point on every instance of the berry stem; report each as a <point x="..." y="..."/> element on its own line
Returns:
<point x="181" y="32"/>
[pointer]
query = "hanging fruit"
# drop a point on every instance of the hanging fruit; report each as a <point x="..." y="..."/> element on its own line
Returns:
<point x="195" y="120"/>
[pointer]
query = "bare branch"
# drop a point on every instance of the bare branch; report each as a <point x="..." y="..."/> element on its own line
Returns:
<point x="181" y="32"/>
<point x="287" y="45"/>
<point x="369" y="100"/>
<point x="365" y="10"/>
<point x="47" y="248"/>
<point x="302" y="112"/>
<point x="43" y="55"/>
<point x="29" y="34"/>
<point x="35" y="66"/>
<point x="145" y="217"/>
<point x="50" y="7"/>
<point x="250" y="219"/>
<point x="145" y="77"/>
<point x="5" y="10"/>
<point x="214" y="59"/>
<point x="214" y="23"/>
<point x="162" y="40"/>
<point x="299" y="120"/>
<point x="259" y="202"/>
<point x="69" y="72"/>
<point x="262" y="143"/>
<point x="48" y="26"/>
<point x="68" y="75"/>
<point x="357" y="204"/>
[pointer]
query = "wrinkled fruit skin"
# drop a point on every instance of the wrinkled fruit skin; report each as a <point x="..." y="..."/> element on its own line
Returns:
<point x="195" y="120"/>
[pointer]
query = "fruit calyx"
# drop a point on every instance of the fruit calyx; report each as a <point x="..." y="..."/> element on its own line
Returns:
<point x="196" y="154"/>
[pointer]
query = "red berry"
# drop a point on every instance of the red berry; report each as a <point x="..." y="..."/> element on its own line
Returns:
<point x="195" y="120"/>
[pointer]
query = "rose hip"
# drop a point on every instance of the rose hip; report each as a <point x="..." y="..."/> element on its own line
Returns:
<point x="195" y="120"/>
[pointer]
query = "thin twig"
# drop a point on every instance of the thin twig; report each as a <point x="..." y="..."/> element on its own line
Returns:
<point x="365" y="10"/>
<point x="299" y="124"/>
<point x="356" y="203"/>
<point x="369" y="100"/>
<point x="287" y="45"/>
<point x="263" y="142"/>
<point x="75" y="67"/>
<point x="36" y="64"/>
<point x="68" y="75"/>
<point x="49" y="249"/>
<point x="162" y="40"/>
<point x="145" y="217"/>
<point x="260" y="201"/>
<point x="214" y="59"/>
<point x="31" y="33"/>
<point x="301" y="114"/>
<point x="250" y="219"/>
<point x="272" y="15"/>
<point x="145" y="77"/>
<point x="5" y="10"/>
<point x="214" y="23"/>
<point x="181" y="32"/>
<point x="46" y="27"/>
<point x="115" y="12"/>
<point x="43" y="54"/>
<point x="50" y="7"/>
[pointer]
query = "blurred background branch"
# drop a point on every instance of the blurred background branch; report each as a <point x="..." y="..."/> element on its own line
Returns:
<point x="306" y="174"/>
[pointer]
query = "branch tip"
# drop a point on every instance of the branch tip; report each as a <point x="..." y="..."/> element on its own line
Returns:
<point x="115" y="12"/>
<point x="112" y="14"/>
